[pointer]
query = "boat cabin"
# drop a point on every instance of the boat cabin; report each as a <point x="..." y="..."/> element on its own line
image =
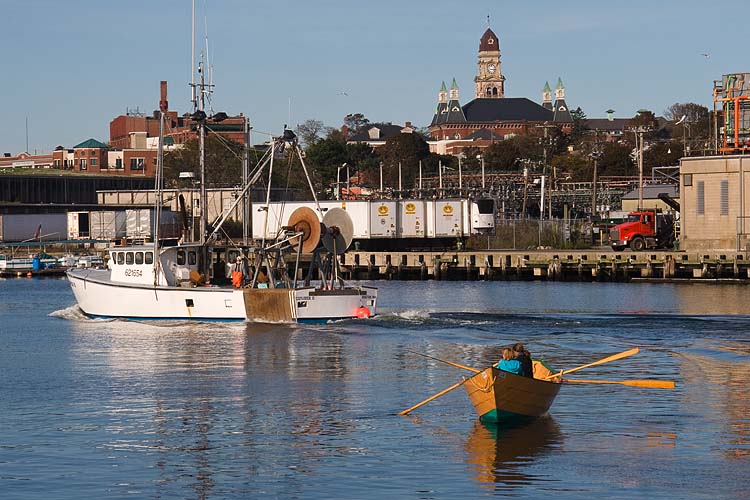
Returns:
<point x="136" y="265"/>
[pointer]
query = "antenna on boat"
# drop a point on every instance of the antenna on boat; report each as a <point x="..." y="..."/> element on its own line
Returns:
<point x="192" y="60"/>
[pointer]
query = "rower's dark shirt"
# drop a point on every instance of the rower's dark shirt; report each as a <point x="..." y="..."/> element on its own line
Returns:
<point x="528" y="369"/>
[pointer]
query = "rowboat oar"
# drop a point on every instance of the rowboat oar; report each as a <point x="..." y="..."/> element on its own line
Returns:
<point x="445" y="361"/>
<point x="434" y="396"/>
<point x="614" y="357"/>
<point x="651" y="384"/>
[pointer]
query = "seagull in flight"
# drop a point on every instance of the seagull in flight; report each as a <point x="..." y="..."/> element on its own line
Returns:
<point x="706" y="55"/>
<point x="342" y="93"/>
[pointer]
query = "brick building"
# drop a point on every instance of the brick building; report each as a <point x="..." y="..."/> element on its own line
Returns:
<point x="179" y="129"/>
<point x="491" y="116"/>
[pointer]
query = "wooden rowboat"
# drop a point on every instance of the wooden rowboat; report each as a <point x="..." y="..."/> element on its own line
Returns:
<point x="500" y="396"/>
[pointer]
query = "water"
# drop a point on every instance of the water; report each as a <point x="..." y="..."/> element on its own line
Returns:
<point x="122" y="409"/>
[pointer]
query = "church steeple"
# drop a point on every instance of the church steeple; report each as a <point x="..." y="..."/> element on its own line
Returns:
<point x="562" y="113"/>
<point x="490" y="81"/>
<point x="455" y="113"/>
<point x="547" y="96"/>
<point x="441" y="113"/>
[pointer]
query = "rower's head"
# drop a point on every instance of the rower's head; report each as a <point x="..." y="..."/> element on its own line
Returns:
<point x="518" y="347"/>
<point x="508" y="354"/>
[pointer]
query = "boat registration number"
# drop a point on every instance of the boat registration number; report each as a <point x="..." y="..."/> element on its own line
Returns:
<point x="136" y="273"/>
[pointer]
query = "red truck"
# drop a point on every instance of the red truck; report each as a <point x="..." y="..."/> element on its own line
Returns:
<point x="644" y="229"/>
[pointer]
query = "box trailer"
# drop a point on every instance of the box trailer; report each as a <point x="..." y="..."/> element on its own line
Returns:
<point x="107" y="224"/>
<point x="79" y="226"/>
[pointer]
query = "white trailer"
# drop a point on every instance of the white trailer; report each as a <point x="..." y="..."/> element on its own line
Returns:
<point x="79" y="226"/>
<point x="107" y="224"/>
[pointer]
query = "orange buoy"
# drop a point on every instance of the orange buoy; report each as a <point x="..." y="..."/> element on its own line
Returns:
<point x="363" y="312"/>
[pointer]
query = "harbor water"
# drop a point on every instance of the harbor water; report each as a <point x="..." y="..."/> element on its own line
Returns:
<point x="129" y="409"/>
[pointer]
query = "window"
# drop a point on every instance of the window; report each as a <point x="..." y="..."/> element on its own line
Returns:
<point x="149" y="257"/>
<point x="700" y="202"/>
<point x="139" y="257"/>
<point x="725" y="197"/>
<point x="83" y="164"/>
<point x="192" y="260"/>
<point x="687" y="180"/>
<point x="121" y="258"/>
<point x="118" y="163"/>
<point x="180" y="257"/>
<point x="65" y="163"/>
<point x="136" y="164"/>
<point x="93" y="162"/>
<point x="129" y="258"/>
<point x="57" y="163"/>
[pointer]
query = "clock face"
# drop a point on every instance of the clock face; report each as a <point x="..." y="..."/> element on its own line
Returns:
<point x="491" y="68"/>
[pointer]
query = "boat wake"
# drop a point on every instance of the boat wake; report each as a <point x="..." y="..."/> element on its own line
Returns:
<point x="74" y="313"/>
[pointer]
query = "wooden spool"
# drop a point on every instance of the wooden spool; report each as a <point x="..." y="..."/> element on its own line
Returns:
<point x="304" y="220"/>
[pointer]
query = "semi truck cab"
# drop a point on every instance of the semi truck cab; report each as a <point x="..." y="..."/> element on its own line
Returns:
<point x="643" y="230"/>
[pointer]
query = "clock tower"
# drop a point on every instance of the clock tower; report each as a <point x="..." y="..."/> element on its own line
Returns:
<point x="490" y="80"/>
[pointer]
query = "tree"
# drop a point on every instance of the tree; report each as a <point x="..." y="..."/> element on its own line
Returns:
<point x="616" y="160"/>
<point x="310" y="131"/>
<point x="325" y="157"/>
<point x="223" y="161"/>
<point x="662" y="154"/>
<point x="579" y="125"/>
<point x="574" y="165"/>
<point x="356" y="123"/>
<point x="407" y="149"/>
<point x="504" y="155"/>
<point x="694" y="127"/>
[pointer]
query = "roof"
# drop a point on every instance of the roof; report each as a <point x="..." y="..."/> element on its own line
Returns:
<point x="652" y="191"/>
<point x="505" y="109"/>
<point x="90" y="144"/>
<point x="618" y="124"/>
<point x="384" y="132"/>
<point x="562" y="113"/>
<point x="489" y="41"/>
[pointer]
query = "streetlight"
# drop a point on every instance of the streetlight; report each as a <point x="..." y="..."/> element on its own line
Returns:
<point x="481" y="160"/>
<point x="338" y="180"/>
<point x="381" y="178"/>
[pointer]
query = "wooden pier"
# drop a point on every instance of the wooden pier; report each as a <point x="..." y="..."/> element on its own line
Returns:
<point x="548" y="265"/>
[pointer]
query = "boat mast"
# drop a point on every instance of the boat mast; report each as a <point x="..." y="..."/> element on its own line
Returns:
<point x="202" y="159"/>
<point x="159" y="201"/>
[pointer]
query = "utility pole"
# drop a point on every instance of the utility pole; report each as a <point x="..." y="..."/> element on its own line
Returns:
<point x="595" y="154"/>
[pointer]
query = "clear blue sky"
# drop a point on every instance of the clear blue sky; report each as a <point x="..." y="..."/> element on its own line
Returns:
<point x="71" y="66"/>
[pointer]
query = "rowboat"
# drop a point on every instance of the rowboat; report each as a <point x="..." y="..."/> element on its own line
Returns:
<point x="499" y="396"/>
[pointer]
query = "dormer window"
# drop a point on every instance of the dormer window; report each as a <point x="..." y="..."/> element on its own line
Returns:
<point x="374" y="133"/>
<point x="490" y="41"/>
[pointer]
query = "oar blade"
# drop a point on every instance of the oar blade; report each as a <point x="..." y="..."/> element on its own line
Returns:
<point x="650" y="384"/>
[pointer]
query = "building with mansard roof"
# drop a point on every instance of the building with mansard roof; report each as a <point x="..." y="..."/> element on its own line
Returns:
<point x="491" y="116"/>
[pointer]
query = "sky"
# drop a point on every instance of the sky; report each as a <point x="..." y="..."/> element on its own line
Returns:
<point x="70" y="67"/>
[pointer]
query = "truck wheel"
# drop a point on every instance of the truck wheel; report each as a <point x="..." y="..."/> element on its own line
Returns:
<point x="638" y="244"/>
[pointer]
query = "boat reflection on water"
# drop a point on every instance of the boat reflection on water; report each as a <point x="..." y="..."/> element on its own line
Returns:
<point x="506" y="456"/>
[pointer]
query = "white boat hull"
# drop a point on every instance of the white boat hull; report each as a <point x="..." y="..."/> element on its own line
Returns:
<point x="98" y="296"/>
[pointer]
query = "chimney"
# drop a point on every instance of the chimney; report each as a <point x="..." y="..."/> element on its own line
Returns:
<point x="408" y="125"/>
<point x="163" y="104"/>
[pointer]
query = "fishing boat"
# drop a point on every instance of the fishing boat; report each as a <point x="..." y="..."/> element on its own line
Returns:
<point x="500" y="396"/>
<point x="172" y="279"/>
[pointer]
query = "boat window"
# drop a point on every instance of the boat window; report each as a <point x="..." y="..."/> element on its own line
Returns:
<point x="121" y="258"/>
<point x="192" y="258"/>
<point x="180" y="257"/>
<point x="149" y="257"/>
<point x="139" y="257"/>
<point x="129" y="258"/>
